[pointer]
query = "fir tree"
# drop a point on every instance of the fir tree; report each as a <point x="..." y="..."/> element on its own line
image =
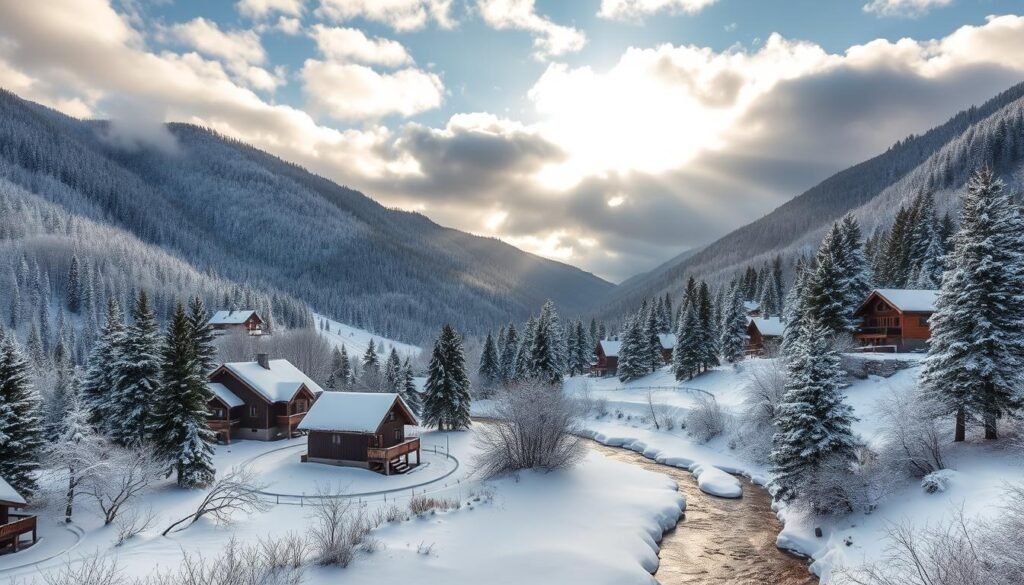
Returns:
<point x="545" y="357"/>
<point x="652" y="342"/>
<point x="828" y="294"/>
<point x="136" y="375"/>
<point x="446" y="396"/>
<point x="202" y="334"/>
<point x="74" y="287"/>
<point x="732" y="343"/>
<point x="488" y="373"/>
<point x="974" y="364"/>
<point x="409" y="392"/>
<point x="584" y="349"/>
<point x="508" y="354"/>
<point x="632" y="349"/>
<point x="21" y="436"/>
<point x="709" y="334"/>
<point x="796" y="308"/>
<point x="687" y="355"/>
<point x="393" y="379"/>
<point x="370" y="376"/>
<point x="177" y="423"/>
<point x="813" y="422"/>
<point x="100" y="377"/>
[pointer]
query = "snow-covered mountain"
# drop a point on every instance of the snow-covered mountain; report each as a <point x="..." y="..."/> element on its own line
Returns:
<point x="243" y="218"/>
<point x="939" y="160"/>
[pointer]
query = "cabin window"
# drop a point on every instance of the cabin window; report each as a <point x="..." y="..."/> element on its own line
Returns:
<point x="391" y="416"/>
<point x="252" y="411"/>
<point x="398" y="434"/>
<point x="218" y="413"/>
<point x="336" y="439"/>
<point x="300" y="406"/>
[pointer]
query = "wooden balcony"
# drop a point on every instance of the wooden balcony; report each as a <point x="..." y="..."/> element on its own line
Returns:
<point x="879" y="331"/>
<point x="11" y="532"/>
<point x="290" y="420"/>
<point x="394" y="451"/>
<point x="219" y="424"/>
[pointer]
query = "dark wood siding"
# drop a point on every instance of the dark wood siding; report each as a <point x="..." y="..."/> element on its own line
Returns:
<point x="350" y="446"/>
<point x="262" y="418"/>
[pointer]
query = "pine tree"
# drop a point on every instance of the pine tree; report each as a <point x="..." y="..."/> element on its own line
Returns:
<point x="687" y="354"/>
<point x="21" y="436"/>
<point x="828" y="293"/>
<point x="177" y="423"/>
<point x="409" y="392"/>
<point x="545" y="359"/>
<point x="99" y="383"/>
<point x="370" y="376"/>
<point x="796" y="308"/>
<point x="974" y="364"/>
<point x="709" y="334"/>
<point x="769" y="303"/>
<point x="584" y="349"/>
<point x="489" y="366"/>
<point x="632" y="361"/>
<point x="393" y="379"/>
<point x="136" y="375"/>
<point x="446" y="396"/>
<point x="778" y="279"/>
<point x="814" y="424"/>
<point x="732" y="343"/>
<point x="202" y="334"/>
<point x="74" y="289"/>
<point x="652" y="342"/>
<point x="508" y="354"/>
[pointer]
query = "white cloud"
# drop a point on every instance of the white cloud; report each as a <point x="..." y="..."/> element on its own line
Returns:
<point x="400" y="15"/>
<point x="636" y="10"/>
<point x="288" y="26"/>
<point x="352" y="45"/>
<point x="904" y="8"/>
<point x="348" y="91"/>
<point x="263" y="8"/>
<point x="550" y="39"/>
<point x="241" y="51"/>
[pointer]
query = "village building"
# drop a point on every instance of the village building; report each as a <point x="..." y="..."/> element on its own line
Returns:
<point x="246" y="321"/>
<point x="896" y="319"/>
<point x="14" y="525"/>
<point x="752" y="308"/>
<point x="764" y="334"/>
<point x="607" y="354"/>
<point x="264" y="399"/>
<point x="361" y="429"/>
<point x="668" y="345"/>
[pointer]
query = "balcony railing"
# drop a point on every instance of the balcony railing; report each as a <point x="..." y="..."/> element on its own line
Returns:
<point x="389" y="453"/>
<point x="290" y="419"/>
<point x="12" y="530"/>
<point x="880" y="331"/>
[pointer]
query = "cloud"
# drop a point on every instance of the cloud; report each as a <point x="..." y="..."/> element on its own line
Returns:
<point x="347" y="91"/>
<point x="903" y="8"/>
<point x="241" y="51"/>
<point x="264" y="8"/>
<point x="352" y="45"/>
<point x="288" y="26"/>
<point x="400" y="15"/>
<point x="550" y="39"/>
<point x="636" y="10"/>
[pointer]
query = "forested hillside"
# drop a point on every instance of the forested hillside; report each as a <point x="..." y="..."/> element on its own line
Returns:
<point x="939" y="161"/>
<point x="215" y="215"/>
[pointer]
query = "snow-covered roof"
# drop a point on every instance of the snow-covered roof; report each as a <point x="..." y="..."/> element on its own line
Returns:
<point x="9" y="495"/>
<point x="280" y="383"/>
<point x="610" y="348"/>
<point x="668" y="340"/>
<point x="769" y="326"/>
<point x="226" y="396"/>
<point x="231" y="317"/>
<point x="751" y="306"/>
<point x="354" y="412"/>
<point x="910" y="300"/>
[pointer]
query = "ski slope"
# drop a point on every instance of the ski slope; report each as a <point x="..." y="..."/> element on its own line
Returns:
<point x="357" y="340"/>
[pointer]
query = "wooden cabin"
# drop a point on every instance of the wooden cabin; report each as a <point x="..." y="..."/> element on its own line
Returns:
<point x="607" y="353"/>
<point x="264" y="400"/>
<point x="14" y="525"/>
<point x="896" y="319"/>
<point x="764" y="334"/>
<point x="752" y="308"/>
<point x="668" y="345"/>
<point x="247" y="321"/>
<point x="361" y="429"/>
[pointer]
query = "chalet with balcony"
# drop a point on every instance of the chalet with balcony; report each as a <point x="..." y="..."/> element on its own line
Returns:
<point x="896" y="319"/>
<point x="607" y="353"/>
<point x="361" y="429"/>
<point x="14" y="525"/>
<point x="246" y="321"/>
<point x="264" y="400"/>
<point x="764" y="334"/>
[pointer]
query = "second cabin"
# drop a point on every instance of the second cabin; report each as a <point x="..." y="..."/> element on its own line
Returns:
<point x="896" y="319"/>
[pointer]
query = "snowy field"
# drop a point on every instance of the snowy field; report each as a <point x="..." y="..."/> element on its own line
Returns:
<point x="357" y="340"/>
<point x="596" y="524"/>
<point x="981" y="471"/>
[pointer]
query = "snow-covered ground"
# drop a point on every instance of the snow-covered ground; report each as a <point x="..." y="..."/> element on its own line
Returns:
<point x="980" y="474"/>
<point x="357" y="340"/>
<point x="595" y="524"/>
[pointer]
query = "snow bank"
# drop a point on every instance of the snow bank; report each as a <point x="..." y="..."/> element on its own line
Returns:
<point x="716" y="482"/>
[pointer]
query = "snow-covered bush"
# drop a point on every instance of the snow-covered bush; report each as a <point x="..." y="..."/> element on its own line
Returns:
<point x="937" y="481"/>
<point x="705" y="421"/>
<point x="765" y="385"/>
<point x="339" y="529"/>
<point x="238" y="564"/>
<point x="910" y="432"/>
<point x="533" y="429"/>
<point x="421" y="504"/>
<point x="128" y="472"/>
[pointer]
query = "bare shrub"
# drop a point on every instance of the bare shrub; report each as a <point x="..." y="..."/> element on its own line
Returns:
<point x="661" y="413"/>
<point x="911" y="433"/>
<point x="338" y="531"/>
<point x="237" y="491"/>
<point x="387" y="514"/>
<point x="128" y="472"/>
<point x="762" y="393"/>
<point x="133" y="522"/>
<point x="422" y="504"/>
<point x="705" y="420"/>
<point x="281" y="553"/>
<point x="90" y="570"/>
<point x="533" y="429"/>
<point x="237" y="565"/>
<point x="1002" y="540"/>
<point x="425" y="549"/>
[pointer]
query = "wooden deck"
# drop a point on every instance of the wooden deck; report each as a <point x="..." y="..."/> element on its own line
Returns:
<point x="10" y="533"/>
<point x="396" y="457"/>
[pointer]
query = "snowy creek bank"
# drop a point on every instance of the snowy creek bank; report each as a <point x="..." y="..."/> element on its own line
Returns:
<point x="718" y="539"/>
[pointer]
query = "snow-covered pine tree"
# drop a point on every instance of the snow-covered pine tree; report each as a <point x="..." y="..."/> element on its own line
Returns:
<point x="177" y="423"/>
<point x="733" y="340"/>
<point x="370" y="377"/>
<point x="652" y="343"/>
<point x="813" y="422"/>
<point x="488" y="371"/>
<point x="21" y="433"/>
<point x="446" y="396"/>
<point x="545" y="361"/>
<point x="779" y="281"/>
<point x="136" y="375"/>
<point x="769" y="302"/>
<point x="508" y="354"/>
<point x="858" y="285"/>
<point x="410" y="394"/>
<point x="975" y="363"/>
<point x="393" y="379"/>
<point x="99" y="381"/>
<point x="632" y="362"/>
<point x="796" y="307"/>
<point x="828" y="296"/>
<point x="687" y="354"/>
<point x="74" y="286"/>
<point x="202" y="334"/>
<point x="709" y="334"/>
<point x="584" y="349"/>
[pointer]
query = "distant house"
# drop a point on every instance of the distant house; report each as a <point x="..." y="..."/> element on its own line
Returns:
<point x="668" y="344"/>
<point x="753" y="308"/>
<point x="763" y="333"/>
<point x="361" y="429"/>
<point x="12" y="525"/>
<point x="607" y="353"/>
<point x="247" y="321"/>
<point x="263" y="400"/>
<point x="897" y="318"/>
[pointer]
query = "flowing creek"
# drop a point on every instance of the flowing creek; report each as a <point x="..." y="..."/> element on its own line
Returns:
<point x="719" y="540"/>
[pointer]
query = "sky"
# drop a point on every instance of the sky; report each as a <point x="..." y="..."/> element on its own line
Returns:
<point x="608" y="134"/>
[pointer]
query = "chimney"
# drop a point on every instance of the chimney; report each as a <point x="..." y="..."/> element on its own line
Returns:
<point x="263" y="360"/>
